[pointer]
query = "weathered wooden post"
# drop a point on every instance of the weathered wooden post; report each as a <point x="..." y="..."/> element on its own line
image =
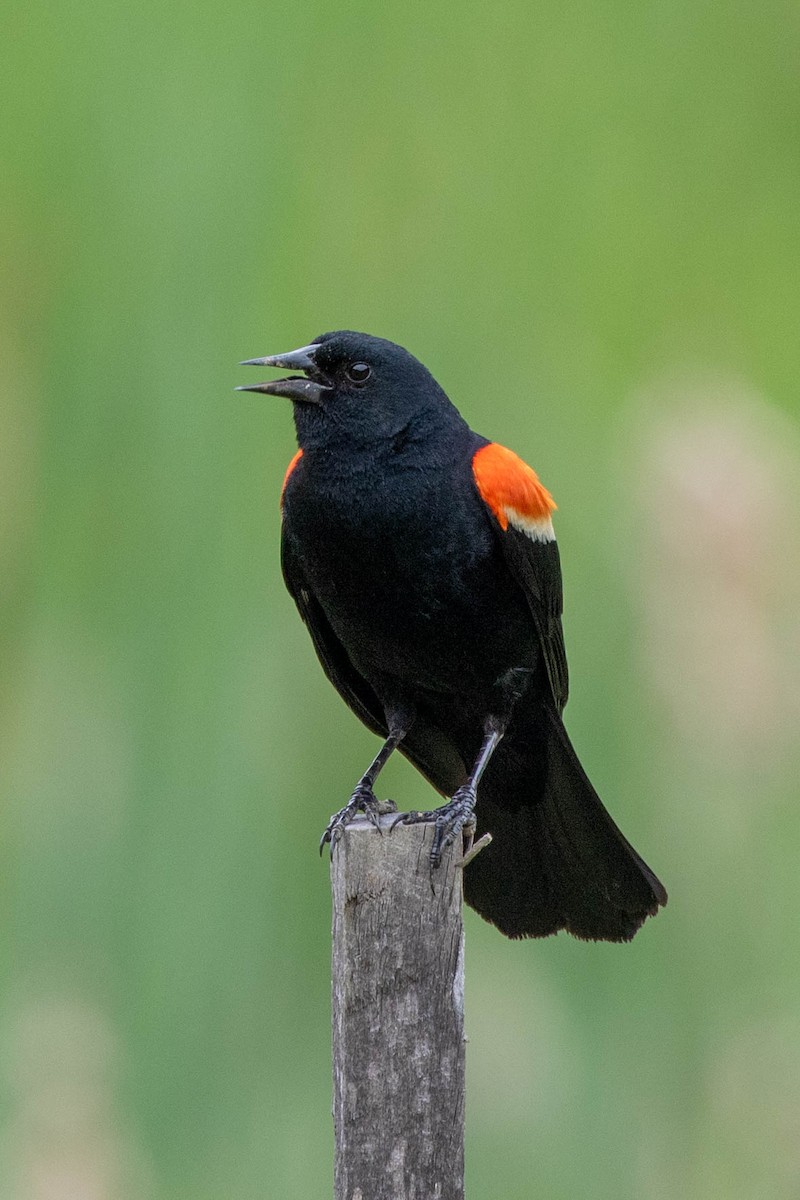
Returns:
<point x="398" y="1016"/>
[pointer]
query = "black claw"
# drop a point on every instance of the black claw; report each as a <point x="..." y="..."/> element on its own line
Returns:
<point x="363" y="800"/>
<point x="449" y="820"/>
<point x="452" y="819"/>
<point x="412" y="818"/>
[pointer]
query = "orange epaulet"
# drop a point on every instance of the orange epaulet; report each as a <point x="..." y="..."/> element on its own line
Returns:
<point x="513" y="492"/>
<point x="289" y="469"/>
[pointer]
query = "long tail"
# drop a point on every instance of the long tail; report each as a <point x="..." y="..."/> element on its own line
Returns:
<point x="557" y="860"/>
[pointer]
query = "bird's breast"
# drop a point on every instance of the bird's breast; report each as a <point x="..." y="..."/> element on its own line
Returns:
<point x="406" y="569"/>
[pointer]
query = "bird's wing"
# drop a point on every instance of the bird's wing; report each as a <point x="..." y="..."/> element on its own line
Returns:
<point x="427" y="746"/>
<point x="349" y="683"/>
<point x="521" y="509"/>
<point x="536" y="566"/>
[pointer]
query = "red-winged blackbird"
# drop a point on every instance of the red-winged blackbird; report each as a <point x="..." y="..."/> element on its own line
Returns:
<point x="422" y="559"/>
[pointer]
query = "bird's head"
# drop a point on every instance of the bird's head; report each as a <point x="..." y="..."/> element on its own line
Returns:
<point x="353" y="386"/>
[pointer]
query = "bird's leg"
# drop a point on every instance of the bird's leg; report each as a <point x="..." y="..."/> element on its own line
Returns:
<point x="458" y="814"/>
<point x="363" y="798"/>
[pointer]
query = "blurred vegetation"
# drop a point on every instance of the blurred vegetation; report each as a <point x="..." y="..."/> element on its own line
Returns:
<point x="584" y="219"/>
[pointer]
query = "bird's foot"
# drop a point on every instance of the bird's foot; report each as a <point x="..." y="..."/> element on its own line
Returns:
<point x="363" y="800"/>
<point x="454" y="818"/>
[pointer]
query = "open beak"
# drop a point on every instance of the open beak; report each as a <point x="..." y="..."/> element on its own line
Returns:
<point x="307" y="389"/>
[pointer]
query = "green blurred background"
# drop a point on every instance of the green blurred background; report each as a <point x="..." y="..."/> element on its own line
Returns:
<point x="586" y="220"/>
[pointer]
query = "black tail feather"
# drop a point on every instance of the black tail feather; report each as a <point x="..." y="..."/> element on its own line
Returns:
<point x="557" y="860"/>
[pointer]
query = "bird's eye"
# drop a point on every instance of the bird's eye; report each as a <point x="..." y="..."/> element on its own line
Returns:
<point x="359" y="372"/>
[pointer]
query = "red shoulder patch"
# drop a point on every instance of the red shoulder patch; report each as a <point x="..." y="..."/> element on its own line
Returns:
<point x="513" y="492"/>
<point x="289" y="469"/>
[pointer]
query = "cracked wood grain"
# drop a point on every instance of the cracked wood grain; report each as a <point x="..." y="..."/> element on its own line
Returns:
<point x="398" y="1017"/>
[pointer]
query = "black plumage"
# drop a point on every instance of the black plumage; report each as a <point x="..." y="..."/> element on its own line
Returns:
<point x="442" y="631"/>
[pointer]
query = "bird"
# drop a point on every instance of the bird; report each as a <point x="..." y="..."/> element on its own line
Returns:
<point x="422" y="558"/>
